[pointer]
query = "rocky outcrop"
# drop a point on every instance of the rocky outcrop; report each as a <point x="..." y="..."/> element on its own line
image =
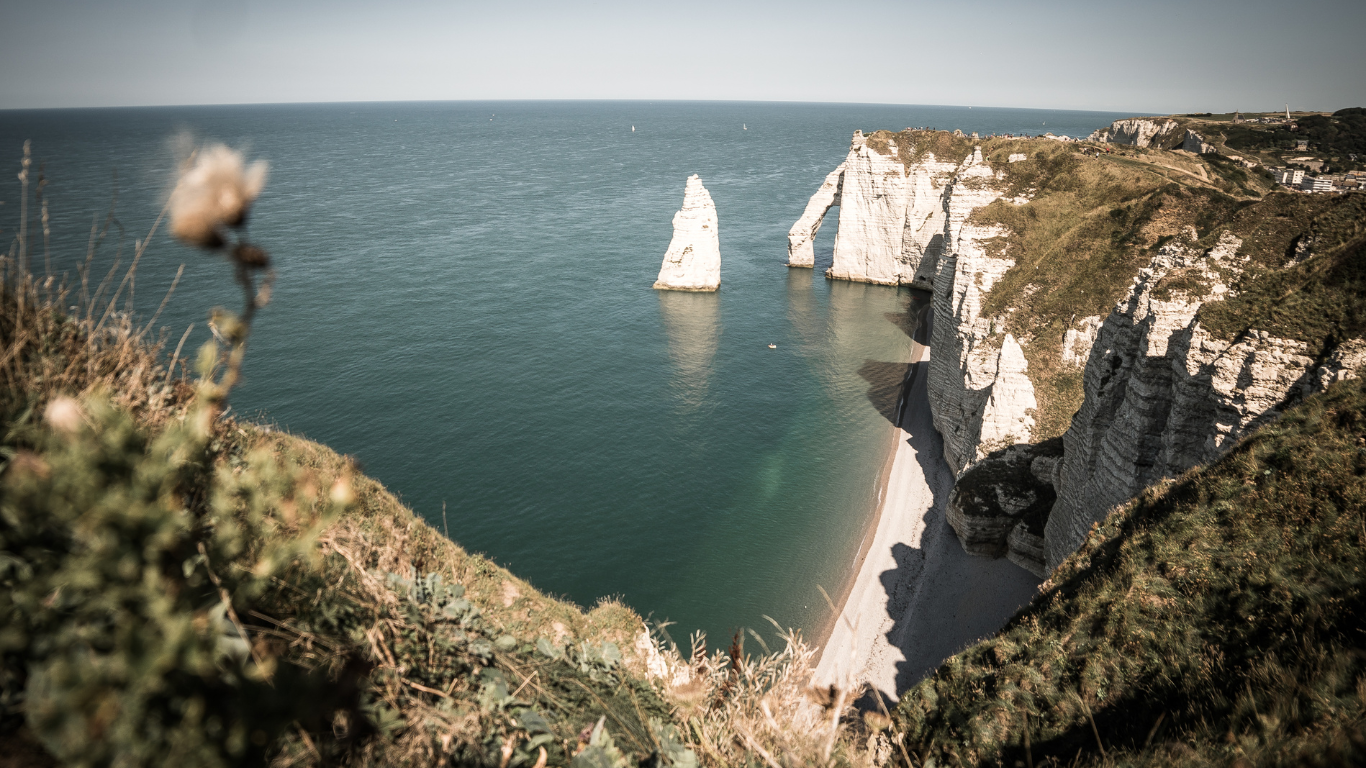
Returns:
<point x="693" y="261"/>
<point x="891" y="215"/>
<point x="1077" y="342"/>
<point x="1194" y="142"/>
<point x="905" y="220"/>
<point x="1346" y="362"/>
<point x="980" y="396"/>
<point x="801" y="238"/>
<point x="1009" y="489"/>
<point x="1162" y="394"/>
<point x="1140" y="132"/>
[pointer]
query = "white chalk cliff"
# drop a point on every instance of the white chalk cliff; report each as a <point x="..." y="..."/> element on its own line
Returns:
<point x="1161" y="394"/>
<point x="980" y="395"/>
<point x="891" y="217"/>
<point x="1137" y="131"/>
<point x="907" y="224"/>
<point x="693" y="261"/>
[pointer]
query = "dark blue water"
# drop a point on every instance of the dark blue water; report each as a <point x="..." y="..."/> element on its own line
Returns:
<point x="464" y="304"/>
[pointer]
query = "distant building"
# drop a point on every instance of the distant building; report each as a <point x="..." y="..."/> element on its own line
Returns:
<point x="1311" y="184"/>
<point x="1302" y="144"/>
<point x="1291" y="177"/>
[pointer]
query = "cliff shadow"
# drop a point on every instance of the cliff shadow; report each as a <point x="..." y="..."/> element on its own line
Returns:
<point x="940" y="598"/>
<point x="886" y="386"/>
<point x="958" y="599"/>
<point x="912" y="320"/>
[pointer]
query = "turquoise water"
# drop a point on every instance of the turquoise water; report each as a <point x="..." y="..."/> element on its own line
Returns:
<point x="464" y="304"/>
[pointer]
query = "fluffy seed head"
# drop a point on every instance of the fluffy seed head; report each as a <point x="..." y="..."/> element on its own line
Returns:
<point x="64" y="414"/>
<point x="215" y="190"/>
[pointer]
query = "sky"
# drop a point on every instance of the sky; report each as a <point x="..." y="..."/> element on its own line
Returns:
<point x="1162" y="56"/>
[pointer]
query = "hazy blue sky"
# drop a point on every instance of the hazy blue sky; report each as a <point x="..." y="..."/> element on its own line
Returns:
<point x="1163" y="56"/>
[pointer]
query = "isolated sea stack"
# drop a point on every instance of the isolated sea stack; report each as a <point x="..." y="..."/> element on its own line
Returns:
<point x="693" y="261"/>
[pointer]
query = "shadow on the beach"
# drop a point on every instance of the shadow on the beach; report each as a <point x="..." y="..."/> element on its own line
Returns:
<point x="940" y="598"/>
<point x="963" y="599"/>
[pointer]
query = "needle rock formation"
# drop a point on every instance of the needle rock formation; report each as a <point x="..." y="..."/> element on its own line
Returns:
<point x="693" y="261"/>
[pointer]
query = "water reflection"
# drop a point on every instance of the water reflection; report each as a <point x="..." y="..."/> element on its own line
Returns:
<point x="692" y="322"/>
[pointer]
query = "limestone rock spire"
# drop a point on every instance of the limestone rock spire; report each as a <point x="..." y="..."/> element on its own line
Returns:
<point x="693" y="261"/>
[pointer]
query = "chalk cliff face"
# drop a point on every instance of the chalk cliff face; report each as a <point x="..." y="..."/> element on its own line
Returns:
<point x="693" y="261"/>
<point x="980" y="396"/>
<point x="1138" y="132"/>
<point x="891" y="217"/>
<point x="906" y="223"/>
<point x="999" y="504"/>
<point x="1162" y="395"/>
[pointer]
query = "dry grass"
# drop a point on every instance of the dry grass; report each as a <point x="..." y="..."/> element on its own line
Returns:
<point x="46" y="351"/>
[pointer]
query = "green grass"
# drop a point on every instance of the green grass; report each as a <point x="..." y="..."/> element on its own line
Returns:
<point x="1320" y="301"/>
<point x="1217" y="619"/>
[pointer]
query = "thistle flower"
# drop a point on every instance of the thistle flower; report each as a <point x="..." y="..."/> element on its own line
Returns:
<point x="216" y="190"/>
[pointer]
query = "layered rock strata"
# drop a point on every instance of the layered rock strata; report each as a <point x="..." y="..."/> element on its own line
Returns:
<point x="980" y="396"/>
<point x="1162" y="394"/>
<point x="1194" y="142"/>
<point x="693" y="261"/>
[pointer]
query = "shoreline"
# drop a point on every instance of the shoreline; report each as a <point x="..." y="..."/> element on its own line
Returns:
<point x="913" y="596"/>
<point x="841" y="598"/>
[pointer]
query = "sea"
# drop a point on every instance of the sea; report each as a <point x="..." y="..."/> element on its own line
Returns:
<point x="463" y="304"/>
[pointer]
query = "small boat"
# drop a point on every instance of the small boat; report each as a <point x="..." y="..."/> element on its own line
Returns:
<point x="633" y="129"/>
<point x="772" y="346"/>
<point x="746" y="127"/>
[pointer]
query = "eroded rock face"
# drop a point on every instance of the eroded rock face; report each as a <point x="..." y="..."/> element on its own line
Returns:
<point x="1162" y="395"/>
<point x="1011" y="488"/>
<point x="872" y="215"/>
<point x="980" y="397"/>
<point x="1194" y="142"/>
<point x="693" y="261"/>
<point x="801" y="238"/>
<point x="1138" y="132"/>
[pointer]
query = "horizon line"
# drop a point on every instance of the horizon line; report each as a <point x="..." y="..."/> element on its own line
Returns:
<point x="1136" y="113"/>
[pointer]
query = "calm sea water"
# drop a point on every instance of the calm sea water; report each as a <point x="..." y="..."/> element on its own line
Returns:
<point x="464" y="304"/>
